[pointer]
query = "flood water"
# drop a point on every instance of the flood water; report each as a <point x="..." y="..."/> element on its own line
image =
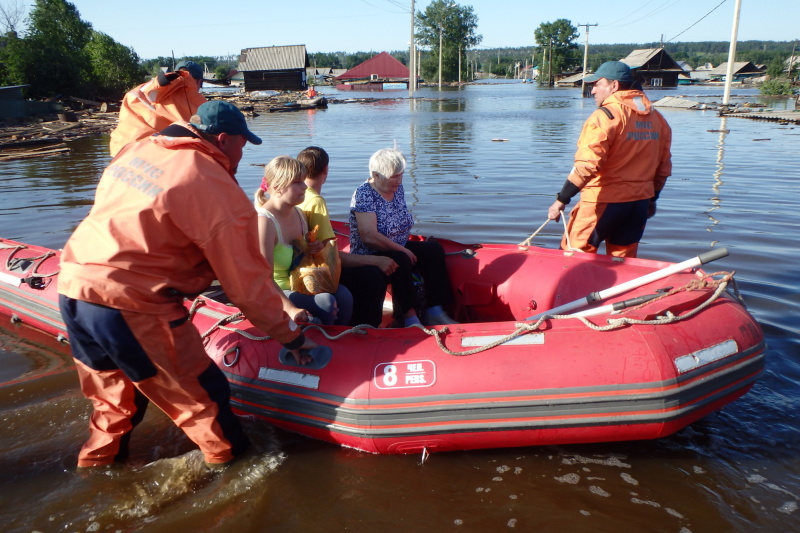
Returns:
<point x="485" y="162"/>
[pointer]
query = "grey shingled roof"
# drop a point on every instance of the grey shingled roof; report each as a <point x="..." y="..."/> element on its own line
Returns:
<point x="273" y="58"/>
<point x="744" y="67"/>
<point x="639" y="58"/>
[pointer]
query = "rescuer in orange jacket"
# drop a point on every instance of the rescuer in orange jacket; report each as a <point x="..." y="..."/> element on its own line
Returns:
<point x="621" y="165"/>
<point x="168" y="219"/>
<point x="152" y="106"/>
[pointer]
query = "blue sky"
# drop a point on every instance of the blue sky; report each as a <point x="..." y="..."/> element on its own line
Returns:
<point x="222" y="27"/>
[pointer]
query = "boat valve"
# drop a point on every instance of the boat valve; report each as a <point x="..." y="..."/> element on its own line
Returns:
<point x="34" y="282"/>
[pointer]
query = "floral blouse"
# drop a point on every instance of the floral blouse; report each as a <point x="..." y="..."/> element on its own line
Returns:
<point x="393" y="218"/>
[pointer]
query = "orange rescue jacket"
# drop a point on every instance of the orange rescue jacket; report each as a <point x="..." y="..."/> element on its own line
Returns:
<point x="151" y="107"/>
<point x="168" y="219"/>
<point x="625" y="157"/>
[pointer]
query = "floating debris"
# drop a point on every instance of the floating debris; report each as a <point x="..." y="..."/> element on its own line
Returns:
<point x="34" y="148"/>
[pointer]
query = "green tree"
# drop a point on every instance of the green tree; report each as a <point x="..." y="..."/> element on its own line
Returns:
<point x="454" y="27"/>
<point x="557" y="41"/>
<point x="775" y="68"/>
<point x="325" y="60"/>
<point x="52" y="56"/>
<point x="60" y="54"/>
<point x="222" y="72"/>
<point x="114" y="68"/>
<point x="777" y="87"/>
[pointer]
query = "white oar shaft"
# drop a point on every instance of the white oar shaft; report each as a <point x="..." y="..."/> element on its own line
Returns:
<point x="701" y="259"/>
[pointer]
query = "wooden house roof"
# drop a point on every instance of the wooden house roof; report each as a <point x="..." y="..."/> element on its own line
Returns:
<point x="739" y="67"/>
<point x="383" y="65"/>
<point x="651" y="59"/>
<point x="570" y="80"/>
<point x="273" y="58"/>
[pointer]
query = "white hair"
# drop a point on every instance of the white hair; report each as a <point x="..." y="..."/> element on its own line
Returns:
<point x="386" y="163"/>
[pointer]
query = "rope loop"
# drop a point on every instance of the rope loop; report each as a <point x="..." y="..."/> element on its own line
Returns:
<point x="37" y="261"/>
<point x="527" y="242"/>
<point x="706" y="283"/>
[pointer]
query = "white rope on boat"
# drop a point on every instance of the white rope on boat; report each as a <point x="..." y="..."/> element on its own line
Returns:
<point x="527" y="242"/>
<point x="566" y="236"/>
<point x="613" y="323"/>
<point x="36" y="260"/>
<point x="522" y="328"/>
<point x="221" y="324"/>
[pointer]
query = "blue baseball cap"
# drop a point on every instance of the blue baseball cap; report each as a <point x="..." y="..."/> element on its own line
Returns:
<point x="218" y="116"/>
<point x="611" y="70"/>
<point x="192" y="68"/>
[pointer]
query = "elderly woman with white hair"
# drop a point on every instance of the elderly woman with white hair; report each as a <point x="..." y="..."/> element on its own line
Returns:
<point x="380" y="224"/>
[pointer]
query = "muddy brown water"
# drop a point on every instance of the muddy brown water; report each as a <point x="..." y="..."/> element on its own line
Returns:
<point x="485" y="162"/>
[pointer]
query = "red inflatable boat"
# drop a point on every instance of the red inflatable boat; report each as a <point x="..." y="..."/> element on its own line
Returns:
<point x="553" y="348"/>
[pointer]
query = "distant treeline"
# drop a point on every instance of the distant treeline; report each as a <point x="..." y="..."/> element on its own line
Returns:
<point x="502" y="60"/>
<point x="700" y="53"/>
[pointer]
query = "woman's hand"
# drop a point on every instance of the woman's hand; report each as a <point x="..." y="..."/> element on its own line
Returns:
<point x="410" y="255"/>
<point x="386" y="264"/>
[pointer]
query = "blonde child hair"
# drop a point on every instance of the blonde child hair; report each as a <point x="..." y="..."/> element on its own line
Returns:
<point x="278" y="174"/>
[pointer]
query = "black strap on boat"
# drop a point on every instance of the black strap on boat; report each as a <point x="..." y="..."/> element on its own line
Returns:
<point x="34" y="282"/>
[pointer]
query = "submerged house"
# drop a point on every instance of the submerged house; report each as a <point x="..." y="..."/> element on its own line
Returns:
<point x="377" y="73"/>
<point x="654" y="68"/>
<point x="571" y="80"/>
<point x="323" y="74"/>
<point x="274" y="68"/>
<point x="13" y="103"/>
<point x="742" y="70"/>
<point x="702" y="72"/>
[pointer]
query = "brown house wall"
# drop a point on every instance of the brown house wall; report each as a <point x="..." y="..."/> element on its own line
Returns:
<point x="668" y="78"/>
<point x="275" y="80"/>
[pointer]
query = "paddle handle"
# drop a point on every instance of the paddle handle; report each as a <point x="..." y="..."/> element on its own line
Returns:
<point x="618" y="306"/>
<point x="712" y="255"/>
<point x="705" y="257"/>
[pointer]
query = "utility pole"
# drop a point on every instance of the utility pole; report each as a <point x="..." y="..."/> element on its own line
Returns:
<point x="585" y="57"/>
<point x="732" y="53"/>
<point x="412" y="58"/>
<point x="459" y="64"/>
<point x="440" y="58"/>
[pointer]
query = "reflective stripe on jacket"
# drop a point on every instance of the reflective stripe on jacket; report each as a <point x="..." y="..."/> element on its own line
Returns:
<point x="624" y="158"/>
<point x="170" y="217"/>
<point x="152" y="106"/>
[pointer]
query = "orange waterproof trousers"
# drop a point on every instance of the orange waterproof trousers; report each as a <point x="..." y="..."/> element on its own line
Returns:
<point x="620" y="225"/>
<point x="124" y="357"/>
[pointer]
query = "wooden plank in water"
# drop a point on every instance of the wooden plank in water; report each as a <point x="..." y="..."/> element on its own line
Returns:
<point x="20" y="153"/>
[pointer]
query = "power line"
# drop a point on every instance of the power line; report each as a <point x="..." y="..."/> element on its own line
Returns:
<point x="387" y="10"/>
<point x="696" y="23"/>
<point x="613" y="25"/>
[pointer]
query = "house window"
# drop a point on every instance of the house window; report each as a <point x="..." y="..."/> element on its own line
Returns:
<point x="656" y="82"/>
